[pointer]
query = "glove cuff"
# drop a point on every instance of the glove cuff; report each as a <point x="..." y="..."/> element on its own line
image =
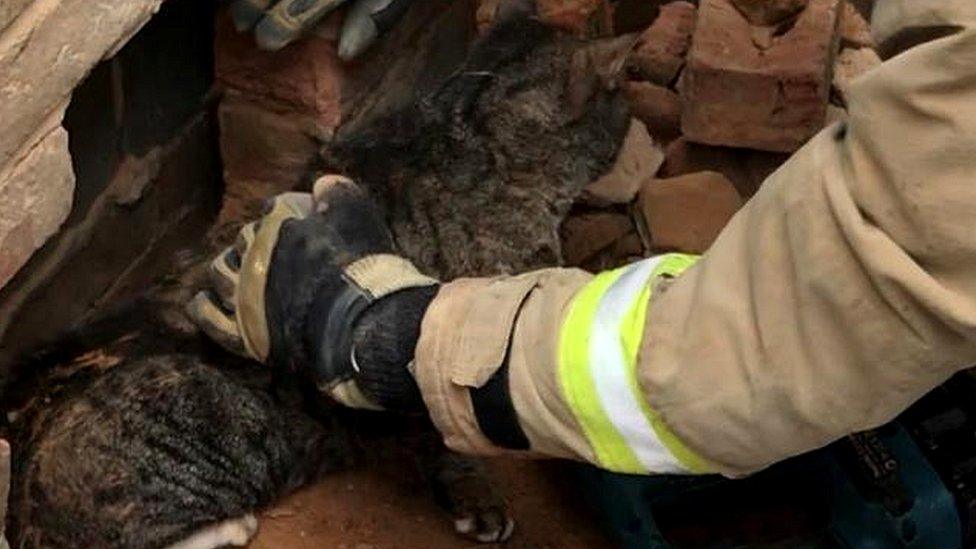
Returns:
<point x="334" y="317"/>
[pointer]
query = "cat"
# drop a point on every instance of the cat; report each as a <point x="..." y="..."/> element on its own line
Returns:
<point x="139" y="433"/>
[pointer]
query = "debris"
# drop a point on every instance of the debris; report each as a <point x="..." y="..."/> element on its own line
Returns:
<point x="306" y="78"/>
<point x="855" y="31"/>
<point x="661" y="49"/>
<point x="686" y="213"/>
<point x="638" y="159"/>
<point x="745" y="168"/>
<point x="852" y="63"/>
<point x="580" y="17"/>
<point x="585" y="235"/>
<point x="765" y="13"/>
<point x="657" y="107"/>
<point x="735" y="94"/>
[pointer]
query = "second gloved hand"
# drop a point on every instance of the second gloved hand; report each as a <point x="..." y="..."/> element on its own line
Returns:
<point x="277" y="23"/>
<point x="314" y="287"/>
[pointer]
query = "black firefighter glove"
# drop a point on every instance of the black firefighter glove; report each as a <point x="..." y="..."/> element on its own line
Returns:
<point x="314" y="286"/>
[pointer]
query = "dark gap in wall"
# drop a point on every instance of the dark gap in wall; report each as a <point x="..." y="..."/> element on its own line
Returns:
<point x="143" y="140"/>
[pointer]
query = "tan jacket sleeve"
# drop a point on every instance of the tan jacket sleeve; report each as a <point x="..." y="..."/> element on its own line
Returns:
<point x="842" y="292"/>
<point x="846" y="289"/>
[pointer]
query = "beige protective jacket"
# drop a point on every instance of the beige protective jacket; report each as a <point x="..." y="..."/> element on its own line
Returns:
<point x="841" y="293"/>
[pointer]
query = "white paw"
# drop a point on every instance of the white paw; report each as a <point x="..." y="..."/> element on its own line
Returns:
<point x="234" y="532"/>
<point x="240" y="531"/>
<point x="485" y="529"/>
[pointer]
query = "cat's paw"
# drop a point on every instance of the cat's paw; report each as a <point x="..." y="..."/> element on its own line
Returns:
<point x="465" y="489"/>
<point x="485" y="526"/>
<point x="233" y="533"/>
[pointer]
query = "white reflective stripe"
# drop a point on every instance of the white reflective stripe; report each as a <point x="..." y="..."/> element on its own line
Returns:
<point x="610" y="371"/>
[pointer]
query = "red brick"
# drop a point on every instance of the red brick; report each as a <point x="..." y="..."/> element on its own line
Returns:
<point x="855" y="32"/>
<point x="769" y="12"/>
<point x="686" y="213"/>
<point x="745" y="168"/>
<point x="306" y="77"/>
<point x="264" y="153"/>
<point x="585" y="235"/>
<point x="735" y="94"/>
<point x="584" y="18"/>
<point x="657" y="107"/>
<point x="661" y="49"/>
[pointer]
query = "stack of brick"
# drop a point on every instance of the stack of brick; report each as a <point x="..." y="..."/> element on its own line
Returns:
<point x="726" y="90"/>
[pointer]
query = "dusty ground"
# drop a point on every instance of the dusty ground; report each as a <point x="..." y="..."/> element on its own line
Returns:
<point x="372" y="509"/>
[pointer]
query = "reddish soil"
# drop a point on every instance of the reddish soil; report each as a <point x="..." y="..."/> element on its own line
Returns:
<point x="370" y="509"/>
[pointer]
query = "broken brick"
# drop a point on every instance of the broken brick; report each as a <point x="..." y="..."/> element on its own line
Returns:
<point x="657" y="107"/>
<point x="624" y="250"/>
<point x="583" y="18"/>
<point x="852" y="63"/>
<point x="766" y="13"/>
<point x="736" y="94"/>
<point x="264" y="153"/>
<point x="638" y="159"/>
<point x="855" y="31"/>
<point x="585" y="235"/>
<point x="306" y="77"/>
<point x="686" y="213"/>
<point x="661" y="49"/>
<point x="745" y="168"/>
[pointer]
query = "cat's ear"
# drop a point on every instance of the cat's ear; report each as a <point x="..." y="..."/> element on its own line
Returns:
<point x="597" y="67"/>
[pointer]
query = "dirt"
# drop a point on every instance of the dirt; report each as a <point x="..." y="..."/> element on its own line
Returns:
<point x="371" y="509"/>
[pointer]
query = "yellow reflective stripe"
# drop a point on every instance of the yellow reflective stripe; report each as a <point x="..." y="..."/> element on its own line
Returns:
<point x="587" y="348"/>
<point x="675" y="264"/>
<point x="632" y="333"/>
<point x="576" y="380"/>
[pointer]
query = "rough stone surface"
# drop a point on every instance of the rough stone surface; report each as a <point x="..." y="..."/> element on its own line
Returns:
<point x="745" y="168"/>
<point x="735" y="94"/>
<point x="657" y="107"/>
<point x="49" y="51"/>
<point x="638" y="159"/>
<point x="855" y="31"/>
<point x="582" y="18"/>
<point x="35" y="198"/>
<point x="769" y="12"/>
<point x="264" y="153"/>
<point x="686" y="213"/>
<point x="584" y="236"/>
<point x="9" y="10"/>
<point x="579" y="17"/>
<point x="852" y="63"/>
<point x="661" y="49"/>
<point x="306" y="77"/>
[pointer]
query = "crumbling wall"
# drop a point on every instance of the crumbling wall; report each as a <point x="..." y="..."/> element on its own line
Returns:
<point x="108" y="154"/>
<point x="46" y="49"/>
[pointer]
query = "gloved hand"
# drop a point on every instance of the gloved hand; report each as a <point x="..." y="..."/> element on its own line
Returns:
<point x="277" y="23"/>
<point x="314" y="287"/>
